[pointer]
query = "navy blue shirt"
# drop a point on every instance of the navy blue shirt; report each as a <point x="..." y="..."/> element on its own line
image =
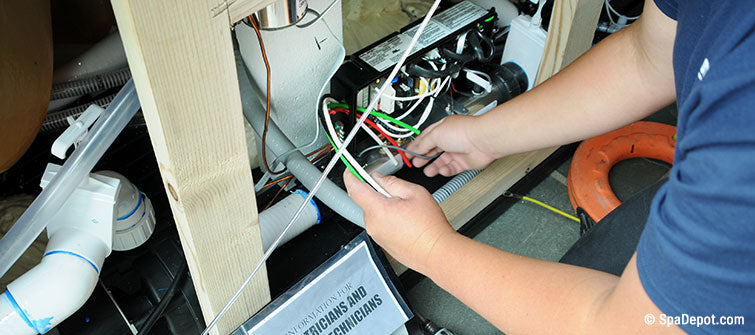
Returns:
<point x="696" y="255"/>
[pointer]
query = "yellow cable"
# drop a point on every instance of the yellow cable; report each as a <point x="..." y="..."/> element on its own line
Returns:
<point x="551" y="208"/>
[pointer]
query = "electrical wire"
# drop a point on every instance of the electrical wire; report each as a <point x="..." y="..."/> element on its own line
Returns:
<point x="339" y="146"/>
<point x="319" y="15"/>
<point x="345" y="162"/>
<point x="321" y="151"/>
<point x="389" y="139"/>
<point x="328" y="168"/>
<point x="397" y="148"/>
<point x="377" y="140"/>
<point x="256" y="27"/>
<point x="423" y="118"/>
<point x="379" y="115"/>
<point x="542" y="204"/>
<point x="374" y="126"/>
<point x="368" y="122"/>
<point x="277" y="194"/>
<point x="159" y="309"/>
<point x="610" y="10"/>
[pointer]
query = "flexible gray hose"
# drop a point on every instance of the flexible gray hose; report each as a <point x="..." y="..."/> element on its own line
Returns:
<point x="96" y="83"/>
<point x="329" y="193"/>
<point x="454" y="185"/>
<point x="57" y="120"/>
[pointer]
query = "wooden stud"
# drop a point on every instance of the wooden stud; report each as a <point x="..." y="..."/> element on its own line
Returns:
<point x="183" y="65"/>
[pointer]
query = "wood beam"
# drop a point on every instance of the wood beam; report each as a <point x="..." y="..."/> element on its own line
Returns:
<point x="183" y="65"/>
<point x="570" y="34"/>
<point x="235" y="10"/>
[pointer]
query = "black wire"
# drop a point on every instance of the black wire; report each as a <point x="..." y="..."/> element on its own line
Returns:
<point x="419" y="71"/>
<point x="159" y="309"/>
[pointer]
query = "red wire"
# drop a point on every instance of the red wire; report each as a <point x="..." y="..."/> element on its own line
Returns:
<point x="390" y="139"/>
<point x="374" y="126"/>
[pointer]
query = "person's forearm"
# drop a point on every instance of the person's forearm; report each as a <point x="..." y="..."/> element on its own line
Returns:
<point x="517" y="294"/>
<point x="613" y="84"/>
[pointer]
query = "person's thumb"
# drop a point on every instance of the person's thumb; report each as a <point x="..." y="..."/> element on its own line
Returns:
<point x="396" y="187"/>
<point x="362" y="193"/>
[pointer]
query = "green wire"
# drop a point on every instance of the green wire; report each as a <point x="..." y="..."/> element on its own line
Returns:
<point x="382" y="116"/>
<point x="343" y="159"/>
<point x="397" y="122"/>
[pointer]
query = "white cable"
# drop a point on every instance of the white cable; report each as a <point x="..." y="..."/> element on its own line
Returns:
<point x="354" y="164"/>
<point x="610" y="9"/>
<point x="405" y="132"/>
<point x="319" y="16"/>
<point x="325" y="173"/>
<point x="374" y="136"/>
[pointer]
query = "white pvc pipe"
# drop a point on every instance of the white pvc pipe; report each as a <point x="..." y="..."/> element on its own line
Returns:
<point x="76" y="168"/>
<point x="55" y="288"/>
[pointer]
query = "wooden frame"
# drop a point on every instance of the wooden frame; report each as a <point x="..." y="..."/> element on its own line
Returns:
<point x="184" y="69"/>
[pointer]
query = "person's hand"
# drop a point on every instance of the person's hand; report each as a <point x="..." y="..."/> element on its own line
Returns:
<point x="451" y="135"/>
<point x="408" y="225"/>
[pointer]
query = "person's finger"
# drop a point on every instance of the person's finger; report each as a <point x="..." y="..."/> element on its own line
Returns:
<point x="426" y="141"/>
<point x="420" y="162"/>
<point x="395" y="186"/>
<point x="434" y="168"/>
<point x="362" y="193"/>
<point x="457" y="167"/>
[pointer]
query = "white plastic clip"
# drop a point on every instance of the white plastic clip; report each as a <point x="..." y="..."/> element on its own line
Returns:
<point x="480" y="81"/>
<point x="76" y="131"/>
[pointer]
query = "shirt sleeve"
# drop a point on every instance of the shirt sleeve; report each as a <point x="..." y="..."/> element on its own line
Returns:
<point x="668" y="7"/>
<point x="696" y="255"/>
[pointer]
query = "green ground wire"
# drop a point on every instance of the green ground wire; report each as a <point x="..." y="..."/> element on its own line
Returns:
<point x="343" y="159"/>
<point x="382" y="116"/>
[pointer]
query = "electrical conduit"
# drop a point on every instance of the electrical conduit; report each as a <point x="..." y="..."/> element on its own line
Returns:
<point x="330" y="194"/>
<point x="454" y="185"/>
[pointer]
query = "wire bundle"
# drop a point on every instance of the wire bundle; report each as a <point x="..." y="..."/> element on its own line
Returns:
<point x="328" y="168"/>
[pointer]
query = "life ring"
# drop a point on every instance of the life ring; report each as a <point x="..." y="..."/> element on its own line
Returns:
<point x="588" y="185"/>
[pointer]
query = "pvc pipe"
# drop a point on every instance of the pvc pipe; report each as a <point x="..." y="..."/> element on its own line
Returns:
<point x="454" y="185"/>
<point x="134" y="215"/>
<point x="55" y="288"/>
<point x="330" y="194"/>
<point x="76" y="168"/>
<point x="274" y="219"/>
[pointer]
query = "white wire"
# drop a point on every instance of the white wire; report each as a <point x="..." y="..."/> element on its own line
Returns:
<point x="405" y="132"/>
<point x="374" y="136"/>
<point x="319" y="15"/>
<point x="438" y="87"/>
<point x="354" y="164"/>
<point x="610" y="10"/>
<point x="413" y="97"/>
<point x="325" y="173"/>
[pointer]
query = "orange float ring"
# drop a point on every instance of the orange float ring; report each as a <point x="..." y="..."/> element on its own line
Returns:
<point x="588" y="183"/>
